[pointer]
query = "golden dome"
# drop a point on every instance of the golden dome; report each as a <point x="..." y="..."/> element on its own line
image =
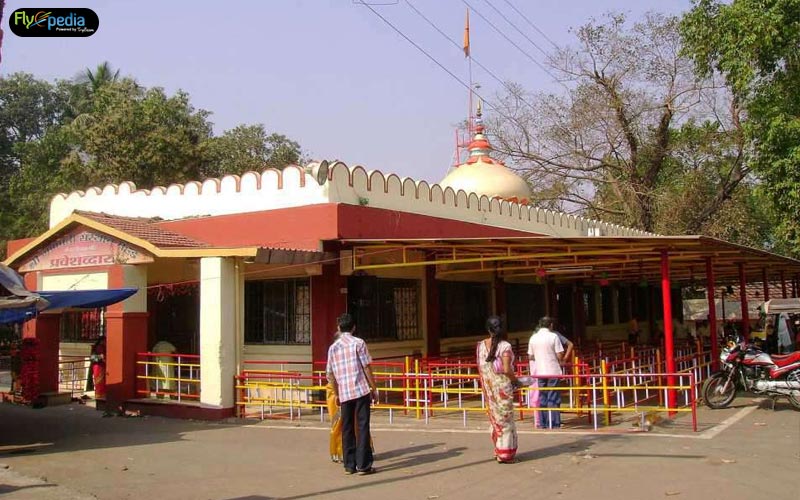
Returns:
<point x="483" y="175"/>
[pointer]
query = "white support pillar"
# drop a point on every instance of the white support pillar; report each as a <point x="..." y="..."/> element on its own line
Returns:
<point x="218" y="320"/>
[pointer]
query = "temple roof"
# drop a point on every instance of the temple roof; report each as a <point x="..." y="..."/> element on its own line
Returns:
<point x="483" y="175"/>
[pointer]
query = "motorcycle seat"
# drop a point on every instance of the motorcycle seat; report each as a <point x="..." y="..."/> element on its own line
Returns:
<point x="786" y="359"/>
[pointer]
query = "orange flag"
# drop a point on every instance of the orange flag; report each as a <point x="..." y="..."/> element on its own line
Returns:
<point x="466" y="36"/>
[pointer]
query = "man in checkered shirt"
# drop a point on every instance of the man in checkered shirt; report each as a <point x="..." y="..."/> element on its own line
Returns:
<point x="354" y="388"/>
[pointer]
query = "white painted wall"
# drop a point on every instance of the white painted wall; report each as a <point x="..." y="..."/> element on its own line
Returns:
<point x="218" y="345"/>
<point x="74" y="281"/>
<point x="135" y="276"/>
<point x="293" y="187"/>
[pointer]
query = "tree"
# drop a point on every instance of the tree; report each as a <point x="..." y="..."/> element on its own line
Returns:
<point x="82" y="89"/>
<point x="754" y="45"/>
<point x="102" y="75"/>
<point x="42" y="175"/>
<point x="99" y="129"/>
<point x="28" y="108"/>
<point x="249" y="147"/>
<point x="141" y="135"/>
<point x="611" y="145"/>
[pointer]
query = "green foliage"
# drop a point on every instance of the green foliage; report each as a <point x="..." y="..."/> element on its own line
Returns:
<point x="755" y="46"/>
<point x="100" y="128"/>
<point x="249" y="148"/>
<point x="141" y="135"/>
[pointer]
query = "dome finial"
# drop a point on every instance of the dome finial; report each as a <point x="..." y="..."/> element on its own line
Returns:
<point x="484" y="176"/>
<point x="478" y="117"/>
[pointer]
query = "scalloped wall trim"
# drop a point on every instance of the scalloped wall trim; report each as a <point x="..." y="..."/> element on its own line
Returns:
<point x="293" y="186"/>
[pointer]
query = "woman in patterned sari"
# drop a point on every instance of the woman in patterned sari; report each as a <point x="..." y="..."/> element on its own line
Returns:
<point x="336" y="425"/>
<point x="495" y="359"/>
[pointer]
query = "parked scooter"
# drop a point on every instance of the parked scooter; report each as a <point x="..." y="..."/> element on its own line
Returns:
<point x="746" y="367"/>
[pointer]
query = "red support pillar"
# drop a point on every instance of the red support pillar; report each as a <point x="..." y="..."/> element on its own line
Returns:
<point x="712" y="314"/>
<point x="433" y="326"/>
<point x="765" y="281"/>
<point x="669" y="346"/>
<point x="743" y="298"/>
<point x="126" y="336"/>
<point x="327" y="303"/>
<point x="46" y="329"/>
<point x="783" y="285"/>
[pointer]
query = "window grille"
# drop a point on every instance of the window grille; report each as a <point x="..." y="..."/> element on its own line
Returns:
<point x="463" y="309"/>
<point x="82" y="326"/>
<point x="277" y="311"/>
<point x="384" y="309"/>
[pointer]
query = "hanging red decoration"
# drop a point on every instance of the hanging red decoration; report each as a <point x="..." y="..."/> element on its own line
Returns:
<point x="29" y="369"/>
<point x="167" y="290"/>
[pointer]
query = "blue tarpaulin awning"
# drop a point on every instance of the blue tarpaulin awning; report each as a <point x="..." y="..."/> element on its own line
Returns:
<point x="18" y="304"/>
<point x="85" y="299"/>
<point x="21" y="312"/>
<point x="82" y="299"/>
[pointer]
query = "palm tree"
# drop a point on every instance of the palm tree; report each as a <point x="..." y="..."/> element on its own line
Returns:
<point x="87" y="84"/>
<point x="103" y="74"/>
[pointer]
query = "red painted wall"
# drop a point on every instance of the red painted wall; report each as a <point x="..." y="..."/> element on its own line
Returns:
<point x="303" y="228"/>
<point x="13" y="245"/>
<point x="357" y="222"/>
<point x="299" y="228"/>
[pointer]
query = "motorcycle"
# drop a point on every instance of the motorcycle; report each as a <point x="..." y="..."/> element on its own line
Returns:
<point x="747" y="367"/>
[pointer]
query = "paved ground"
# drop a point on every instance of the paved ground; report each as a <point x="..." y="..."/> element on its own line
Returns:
<point x="72" y="452"/>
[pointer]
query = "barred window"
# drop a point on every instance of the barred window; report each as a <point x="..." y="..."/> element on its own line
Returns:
<point x="525" y="304"/>
<point x="277" y="311"/>
<point x="82" y="326"/>
<point x="463" y="309"/>
<point x="384" y="309"/>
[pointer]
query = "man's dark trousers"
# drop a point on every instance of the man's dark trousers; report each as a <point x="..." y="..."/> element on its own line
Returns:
<point x="357" y="452"/>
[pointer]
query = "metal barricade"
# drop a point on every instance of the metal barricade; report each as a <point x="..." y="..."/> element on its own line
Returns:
<point x="168" y="376"/>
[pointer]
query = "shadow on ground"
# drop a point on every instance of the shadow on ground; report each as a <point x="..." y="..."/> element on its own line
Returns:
<point x="412" y="457"/>
<point x="66" y="428"/>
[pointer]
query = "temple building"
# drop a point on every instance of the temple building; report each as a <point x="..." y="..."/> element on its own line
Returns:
<point x="258" y="267"/>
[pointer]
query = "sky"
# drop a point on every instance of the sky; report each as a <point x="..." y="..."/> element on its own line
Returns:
<point x="329" y="74"/>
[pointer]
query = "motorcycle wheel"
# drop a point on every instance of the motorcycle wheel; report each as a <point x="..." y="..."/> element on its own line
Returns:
<point x="713" y="395"/>
<point x="794" y="401"/>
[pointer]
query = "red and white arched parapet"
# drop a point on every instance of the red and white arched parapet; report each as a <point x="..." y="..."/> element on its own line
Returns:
<point x="296" y="186"/>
